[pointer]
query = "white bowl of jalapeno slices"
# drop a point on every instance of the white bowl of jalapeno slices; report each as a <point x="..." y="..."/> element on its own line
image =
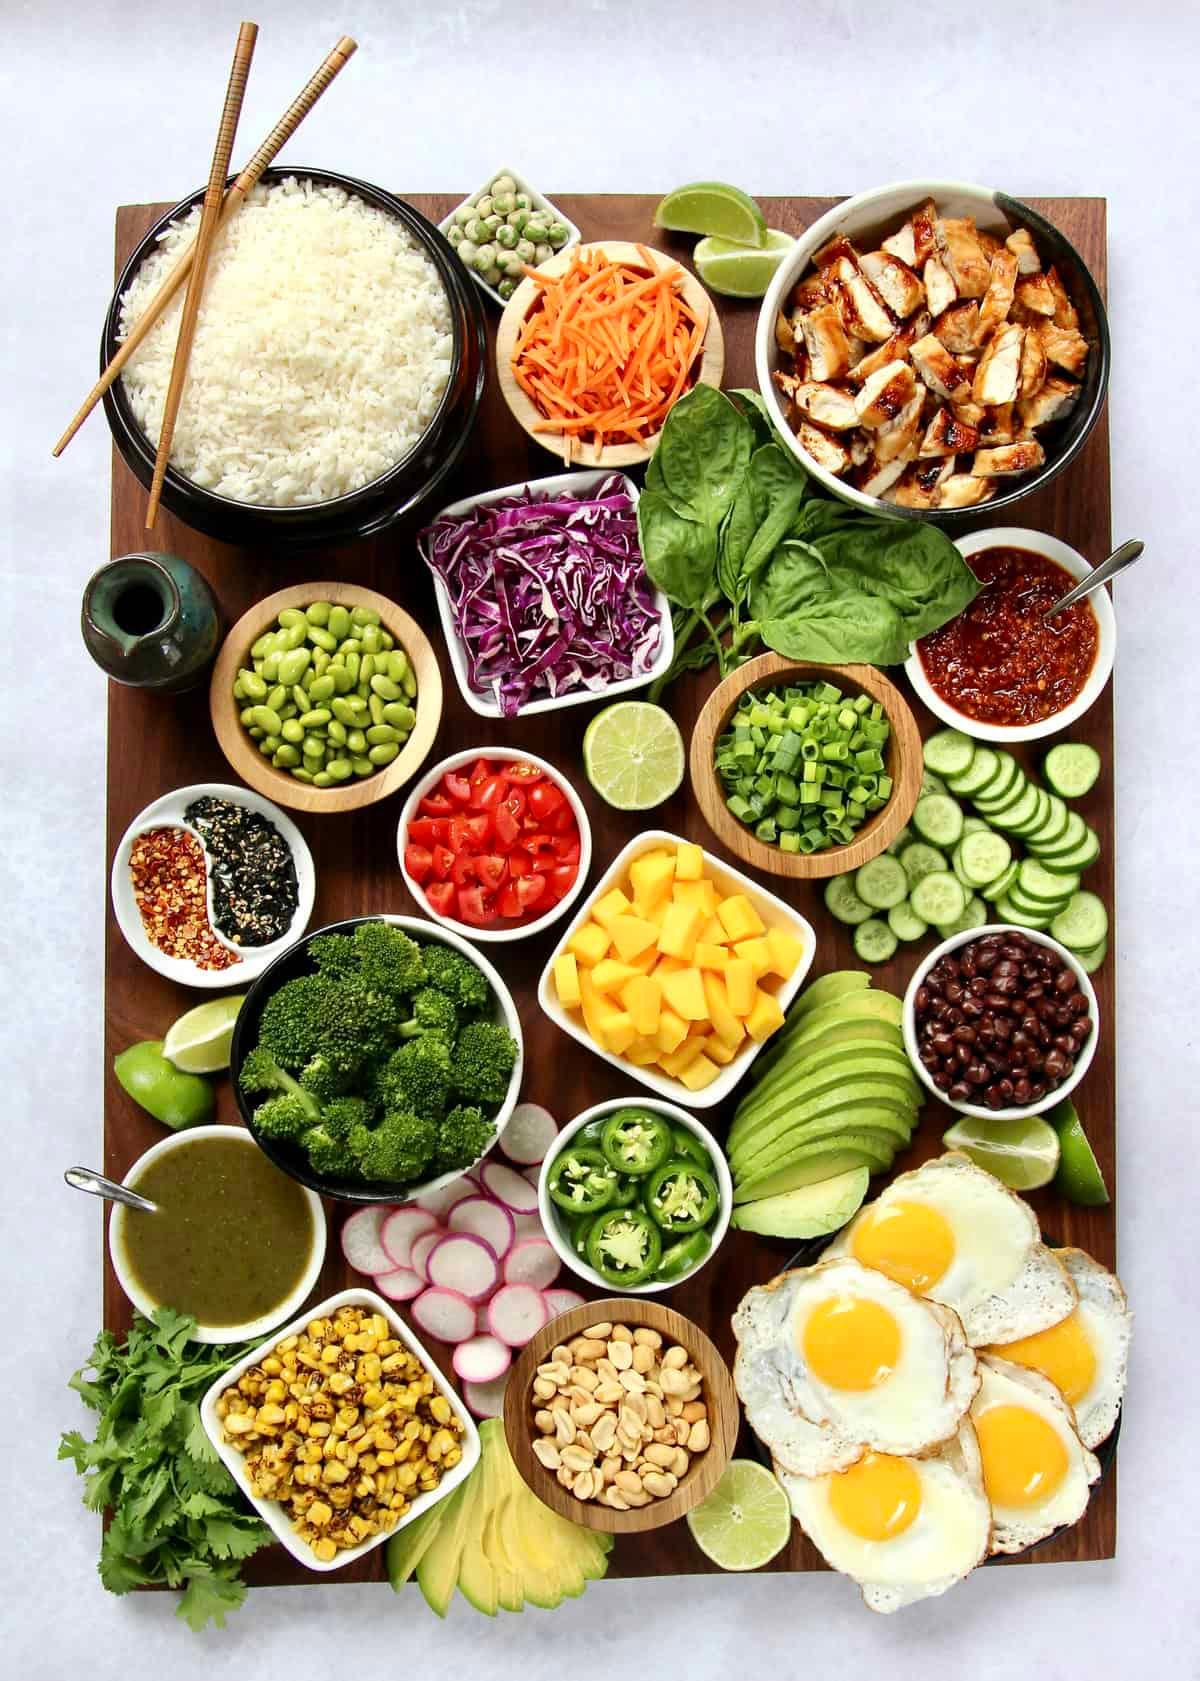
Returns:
<point x="635" y="1196"/>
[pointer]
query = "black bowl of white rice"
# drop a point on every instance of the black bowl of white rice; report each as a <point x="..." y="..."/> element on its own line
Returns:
<point x="336" y="372"/>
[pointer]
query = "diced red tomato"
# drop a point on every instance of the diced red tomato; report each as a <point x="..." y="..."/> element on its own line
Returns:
<point x="428" y="831"/>
<point x="457" y="787"/>
<point x="519" y="862"/>
<point x="530" y="889"/>
<point x="441" y="897"/>
<point x="520" y="772"/>
<point x="507" y="826"/>
<point x="468" y="832"/>
<point x="492" y="871"/>
<point x="481" y="770"/>
<point x="561" y="821"/>
<point x="489" y="793"/>
<point x="465" y="869"/>
<point x="418" y="861"/>
<point x="567" y="848"/>
<point x="507" y="903"/>
<point x="436" y="805"/>
<point x="544" y="799"/>
<point x="561" y="880"/>
<point x="443" y="862"/>
<point x="471" y="907"/>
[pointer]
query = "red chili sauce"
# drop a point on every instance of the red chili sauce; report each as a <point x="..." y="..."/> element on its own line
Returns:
<point x="997" y="662"/>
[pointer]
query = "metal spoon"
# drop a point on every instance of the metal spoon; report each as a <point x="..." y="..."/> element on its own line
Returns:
<point x="96" y="1185"/>
<point x="1117" y="561"/>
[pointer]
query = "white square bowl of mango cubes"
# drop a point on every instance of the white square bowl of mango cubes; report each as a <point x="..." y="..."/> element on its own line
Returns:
<point x="677" y="970"/>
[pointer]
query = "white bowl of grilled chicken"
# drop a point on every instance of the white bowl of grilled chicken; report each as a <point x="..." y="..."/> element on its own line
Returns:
<point x="931" y="347"/>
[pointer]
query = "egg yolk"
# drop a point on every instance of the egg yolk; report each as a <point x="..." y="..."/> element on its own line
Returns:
<point x="876" y="1499"/>
<point x="1024" y="1460"/>
<point x="908" y="1241"/>
<point x="850" y="1342"/>
<point x="1064" y="1354"/>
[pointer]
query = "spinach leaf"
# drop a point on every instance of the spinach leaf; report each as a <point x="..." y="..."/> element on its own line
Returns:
<point x="703" y="454"/>
<point x="680" y="555"/>
<point x="780" y="486"/>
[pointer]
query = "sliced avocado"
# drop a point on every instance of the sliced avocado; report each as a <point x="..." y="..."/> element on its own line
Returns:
<point x="834" y="1033"/>
<point x="809" y="1211"/>
<point x="477" y="1579"/>
<point x="819" y="1161"/>
<point x="826" y="989"/>
<point x="869" y="1081"/>
<point x="833" y="1050"/>
<point x="496" y="1531"/>
<point x="894" y="1127"/>
<point x="437" y="1568"/>
<point x="405" y="1550"/>
<point x="860" y="1006"/>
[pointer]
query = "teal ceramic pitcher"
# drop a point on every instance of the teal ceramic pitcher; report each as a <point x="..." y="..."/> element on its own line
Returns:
<point x="150" y="620"/>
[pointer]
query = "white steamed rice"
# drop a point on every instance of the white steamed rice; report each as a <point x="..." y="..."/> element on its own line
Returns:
<point x="322" y="348"/>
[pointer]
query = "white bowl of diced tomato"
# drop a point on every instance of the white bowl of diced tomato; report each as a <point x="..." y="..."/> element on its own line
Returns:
<point x="494" y="844"/>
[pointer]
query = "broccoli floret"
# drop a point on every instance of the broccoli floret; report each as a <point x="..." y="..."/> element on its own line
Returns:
<point x="340" y="1117"/>
<point x="484" y="1057"/>
<point x="261" y="1073"/>
<point x="283" y="1118"/>
<point x="461" y="980"/>
<point x="400" y="1147"/>
<point x="292" y="1020"/>
<point x="331" y="1157"/>
<point x="322" y="1079"/>
<point x="462" y="1138"/>
<point x="334" y="955"/>
<point x="336" y="1021"/>
<point x="388" y="960"/>
<point x="433" y="1012"/>
<point x="417" y="1077"/>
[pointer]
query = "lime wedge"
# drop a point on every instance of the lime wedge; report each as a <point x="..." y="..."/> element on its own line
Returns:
<point x="741" y="271"/>
<point x="1079" y="1177"/>
<point x="1022" y="1153"/>
<point x="633" y="755"/>
<point x="198" y="1043"/>
<point x="713" y="207"/>
<point x="746" y="1519"/>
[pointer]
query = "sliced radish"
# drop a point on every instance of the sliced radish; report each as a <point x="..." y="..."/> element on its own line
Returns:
<point x="529" y="1135"/>
<point x="486" y="1400"/>
<point x="439" y="1203"/>
<point x="508" y="1187"/>
<point x="560" y="1301"/>
<point x="423" y="1247"/>
<point x="361" y="1242"/>
<point x="444" y="1314"/>
<point x="481" y="1319"/>
<point x="399" y="1231"/>
<point x="532" y="1261"/>
<point x="482" y="1359"/>
<point x="399" y="1286"/>
<point x="482" y="1217"/>
<point x="464" y="1263"/>
<point x="529" y="1225"/>
<point x="533" y="1174"/>
<point x="516" y="1313"/>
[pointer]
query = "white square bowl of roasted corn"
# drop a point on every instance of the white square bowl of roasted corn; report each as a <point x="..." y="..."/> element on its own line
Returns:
<point x="344" y="1419"/>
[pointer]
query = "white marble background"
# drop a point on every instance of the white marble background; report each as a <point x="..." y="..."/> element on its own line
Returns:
<point x="103" y="102"/>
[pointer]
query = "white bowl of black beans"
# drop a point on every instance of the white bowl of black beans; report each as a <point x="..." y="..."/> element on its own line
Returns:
<point x="1000" y="1022"/>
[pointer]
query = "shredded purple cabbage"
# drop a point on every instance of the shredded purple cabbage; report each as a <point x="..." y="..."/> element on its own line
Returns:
<point x="549" y="593"/>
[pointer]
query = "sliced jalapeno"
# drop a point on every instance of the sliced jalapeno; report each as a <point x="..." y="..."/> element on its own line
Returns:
<point x="624" y="1246"/>
<point x="625" y="1191"/>
<point x="683" y="1256"/>
<point x="636" y="1140"/>
<point x="687" y="1145"/>
<point x="581" y="1181"/>
<point x="681" y="1196"/>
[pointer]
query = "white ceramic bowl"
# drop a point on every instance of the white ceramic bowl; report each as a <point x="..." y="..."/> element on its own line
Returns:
<point x="538" y="201"/>
<point x="576" y="484"/>
<point x="549" y="1210"/>
<point x="520" y="931"/>
<point x="167" y="813"/>
<point x="147" y="1305"/>
<point x="1083" y="1061"/>
<point x="271" y="1511"/>
<point x="1040" y="543"/>
<point x="773" y="911"/>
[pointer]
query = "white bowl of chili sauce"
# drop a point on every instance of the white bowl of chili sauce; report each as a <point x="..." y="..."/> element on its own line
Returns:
<point x="997" y="671"/>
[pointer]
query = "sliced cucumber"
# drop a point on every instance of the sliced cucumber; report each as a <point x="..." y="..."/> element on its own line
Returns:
<point x="982" y="856"/>
<point x="1006" y="911"/>
<point x="970" y="824"/>
<point x="1003" y="780"/>
<point x="874" y="941"/>
<point x="1039" y="883"/>
<point x="881" y="883"/>
<point x="1033" y="907"/>
<point x="975" y="916"/>
<point x="1091" y="959"/>
<point x="1001" y="804"/>
<point x="978" y="774"/>
<point x="939" y="898"/>
<point x="843" y="902"/>
<point x="932" y="784"/>
<point x="1041" y="812"/>
<point x="1019" y="811"/>
<point x="1083" y="924"/>
<point x="1072" y="769"/>
<point x="949" y="753"/>
<point x="1054" y="828"/>
<point x="905" y="924"/>
<point x="995" y="890"/>
<point x="919" y="860"/>
<point x="939" y="820"/>
<point x="1073" y="836"/>
<point x="901" y="840"/>
<point x="1080" y="858"/>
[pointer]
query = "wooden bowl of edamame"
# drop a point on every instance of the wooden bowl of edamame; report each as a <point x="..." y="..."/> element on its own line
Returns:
<point x="337" y="755"/>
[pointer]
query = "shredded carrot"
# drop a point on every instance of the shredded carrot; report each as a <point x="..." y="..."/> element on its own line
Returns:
<point x="607" y="349"/>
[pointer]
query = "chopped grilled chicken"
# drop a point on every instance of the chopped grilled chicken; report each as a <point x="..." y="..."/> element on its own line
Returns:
<point x="1020" y="243"/>
<point x="1033" y="366"/>
<point x="863" y="311"/>
<point x="858" y="349"/>
<point x="827" y="452"/>
<point x="999" y="367"/>
<point x="826" y="405"/>
<point x="897" y="284"/>
<point x="807" y="294"/>
<point x="917" y="486"/>
<point x="999" y="426"/>
<point x="997" y="300"/>
<point x="902" y="245"/>
<point x="787" y="382"/>
<point x="896" y="347"/>
<point x="885" y="394"/>
<point x="1035" y="293"/>
<point x="839" y="250"/>
<point x="959" y="248"/>
<point x="785" y="339"/>
<point x="939" y="370"/>
<point x="860" y="447"/>
<point x="825" y="341"/>
<point x="873" y="478"/>
<point x="898" y="437"/>
<point x="940" y="290"/>
<point x="988" y="244"/>
<point x="1065" y="313"/>
<point x="960" y="490"/>
<point x="956" y="327"/>
<point x="970" y="413"/>
<point x="1051" y="402"/>
<point x="913" y="243"/>
<point x="1020" y="457"/>
<point x="1065" y="346"/>
<point x="947" y="434"/>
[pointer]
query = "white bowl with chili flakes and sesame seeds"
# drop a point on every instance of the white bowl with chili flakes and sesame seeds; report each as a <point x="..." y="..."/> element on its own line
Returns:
<point x="165" y="897"/>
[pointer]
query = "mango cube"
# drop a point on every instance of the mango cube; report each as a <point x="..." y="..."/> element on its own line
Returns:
<point x="596" y="1008"/>
<point x="589" y="943"/>
<point x="739" y="918"/>
<point x="642" y="997"/>
<point x="702" y="894"/>
<point x="713" y="934"/>
<point x="612" y="905"/>
<point x="566" y="980"/>
<point x="631" y="936"/>
<point x="672" y="1031"/>
<point x="786" y="952"/>
<point x="699" y="1073"/>
<point x="683" y="992"/>
<point x="676" y="1061"/>
<point x="765" y="1017"/>
<point x="739" y="984"/>
<point x="726" y="1023"/>
<point x="720" y="1050"/>
<point x="650" y="877"/>
<point x="709" y="957"/>
<point x="643" y="1052"/>
<point x="757" y="953"/>
<point x="680" y="926"/>
<point x="689" y="862"/>
<point x="610" y="976"/>
<point x="619" y="1032"/>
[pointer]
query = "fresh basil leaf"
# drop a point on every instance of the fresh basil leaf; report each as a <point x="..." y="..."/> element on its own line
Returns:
<point x="703" y="455"/>
<point x="755" y="410"/>
<point x="679" y="554"/>
<point x="781" y="485"/>
<point x="841" y="627"/>
<point x="737" y="533"/>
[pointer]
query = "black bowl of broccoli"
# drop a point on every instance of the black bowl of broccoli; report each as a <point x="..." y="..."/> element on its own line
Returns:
<point x="377" y="1058"/>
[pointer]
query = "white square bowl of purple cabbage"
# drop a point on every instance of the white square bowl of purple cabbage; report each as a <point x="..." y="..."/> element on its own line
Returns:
<point x="629" y="651"/>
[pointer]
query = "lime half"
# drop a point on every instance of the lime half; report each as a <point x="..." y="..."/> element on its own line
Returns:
<point x="713" y="207"/>
<point x="1022" y="1153"/>
<point x="198" y="1043"/>
<point x="633" y="755"/>
<point x="741" y="271"/>
<point x="1079" y="1177"/>
<point x="746" y="1519"/>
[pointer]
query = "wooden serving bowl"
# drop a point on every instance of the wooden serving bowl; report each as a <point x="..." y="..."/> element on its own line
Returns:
<point x="902" y="761"/>
<point x="243" y="753"/>
<point x="719" y="1396"/>
<point x="573" y="452"/>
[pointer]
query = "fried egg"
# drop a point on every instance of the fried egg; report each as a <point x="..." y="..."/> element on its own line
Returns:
<point x="835" y="1360"/>
<point x="950" y="1231"/>
<point x="1036" y="1471"/>
<point x="1086" y="1354"/>
<point x="902" y="1528"/>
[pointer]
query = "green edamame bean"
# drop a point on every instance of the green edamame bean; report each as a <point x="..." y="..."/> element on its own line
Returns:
<point x="342" y="680"/>
<point x="292" y="731"/>
<point x="286" y="757"/>
<point x="336" y="732"/>
<point x="340" y="707"/>
<point x="267" y="719"/>
<point x="384" y="753"/>
<point x="322" y="779"/>
<point x="350" y="645"/>
<point x="293" y="665"/>
<point x="287" y="711"/>
<point x="402" y="736"/>
<point x="262" y="647"/>
<point x="314" y="748"/>
<point x="366" y="669"/>
<point x="321" y="689"/>
<point x="238" y="692"/>
<point x="376" y="708"/>
<point x="290" y="617"/>
<point x="409" y="683"/>
<point x="358" y="709"/>
<point x="292" y="637"/>
<point x="356" y="741"/>
<point x="386" y="640"/>
<point x="318" y="613"/>
<point x="253" y="686"/>
<point x="385" y="688"/>
<point x="339" y="769"/>
<point x="269" y="745"/>
<point x="362" y="767"/>
<point x="322" y="639"/>
<point x="353" y="663"/>
<point x="370" y="639"/>
<point x="300" y="697"/>
<point x="320" y="661"/>
<point x="397" y="665"/>
<point x="302" y="775"/>
<point x="246" y="716"/>
<point x="316" y="718"/>
<point x="364" y="616"/>
<point x="254" y="733"/>
<point x="276" y="697"/>
<point x="270" y="667"/>
<point x="379" y="734"/>
<point x="400" y="715"/>
<point x="338" y="622"/>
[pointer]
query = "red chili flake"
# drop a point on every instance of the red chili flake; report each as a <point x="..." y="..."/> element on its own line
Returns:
<point x="169" y="876"/>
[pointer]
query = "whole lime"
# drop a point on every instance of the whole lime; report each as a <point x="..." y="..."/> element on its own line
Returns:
<point x="177" y="1100"/>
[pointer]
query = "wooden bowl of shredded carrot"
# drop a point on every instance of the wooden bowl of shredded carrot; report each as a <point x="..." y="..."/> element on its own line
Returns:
<point x="596" y="345"/>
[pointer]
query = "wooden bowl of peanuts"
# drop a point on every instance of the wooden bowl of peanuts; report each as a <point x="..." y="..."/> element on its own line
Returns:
<point x="621" y="1415"/>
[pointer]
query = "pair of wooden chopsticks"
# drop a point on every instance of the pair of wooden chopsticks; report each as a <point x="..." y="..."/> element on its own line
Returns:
<point x="219" y="206"/>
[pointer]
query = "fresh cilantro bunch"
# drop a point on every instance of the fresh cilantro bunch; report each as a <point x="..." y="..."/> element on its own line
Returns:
<point x="178" y="1519"/>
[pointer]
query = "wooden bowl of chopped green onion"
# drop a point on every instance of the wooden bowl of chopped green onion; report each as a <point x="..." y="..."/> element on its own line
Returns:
<point x="803" y="770"/>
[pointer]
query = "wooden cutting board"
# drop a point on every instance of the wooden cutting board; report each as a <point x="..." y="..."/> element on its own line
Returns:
<point x="156" y="744"/>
